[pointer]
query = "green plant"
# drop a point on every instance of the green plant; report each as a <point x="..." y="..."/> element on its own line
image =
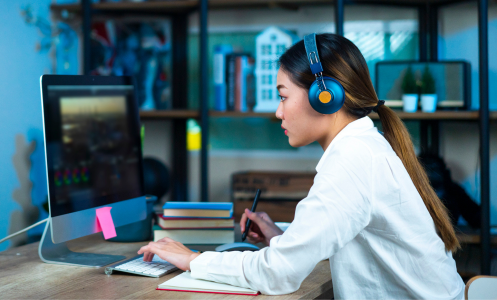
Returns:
<point x="428" y="82"/>
<point x="409" y="82"/>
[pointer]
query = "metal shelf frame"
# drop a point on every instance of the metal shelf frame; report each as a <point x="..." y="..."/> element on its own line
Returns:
<point x="428" y="42"/>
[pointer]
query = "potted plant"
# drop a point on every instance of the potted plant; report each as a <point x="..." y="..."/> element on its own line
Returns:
<point x="428" y="93"/>
<point x="409" y="91"/>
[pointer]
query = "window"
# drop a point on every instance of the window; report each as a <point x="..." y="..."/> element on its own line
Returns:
<point x="266" y="49"/>
<point x="280" y="49"/>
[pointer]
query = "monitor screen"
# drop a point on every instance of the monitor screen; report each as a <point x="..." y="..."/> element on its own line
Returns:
<point x="93" y="146"/>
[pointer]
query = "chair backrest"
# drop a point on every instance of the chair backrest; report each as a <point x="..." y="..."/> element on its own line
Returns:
<point x="481" y="287"/>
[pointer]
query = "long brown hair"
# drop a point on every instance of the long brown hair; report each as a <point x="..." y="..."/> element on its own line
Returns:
<point x="343" y="61"/>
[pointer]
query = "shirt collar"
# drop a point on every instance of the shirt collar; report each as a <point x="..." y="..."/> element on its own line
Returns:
<point x="353" y="128"/>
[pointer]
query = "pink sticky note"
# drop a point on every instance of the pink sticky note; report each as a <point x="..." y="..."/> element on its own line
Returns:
<point x="105" y="221"/>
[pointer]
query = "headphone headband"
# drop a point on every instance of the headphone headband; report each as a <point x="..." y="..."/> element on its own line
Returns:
<point x="312" y="53"/>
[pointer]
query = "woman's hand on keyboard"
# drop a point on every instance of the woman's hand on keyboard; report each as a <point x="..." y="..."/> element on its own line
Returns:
<point x="171" y="251"/>
<point x="262" y="229"/>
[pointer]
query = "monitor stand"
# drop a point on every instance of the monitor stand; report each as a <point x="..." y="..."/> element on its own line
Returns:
<point x="60" y="254"/>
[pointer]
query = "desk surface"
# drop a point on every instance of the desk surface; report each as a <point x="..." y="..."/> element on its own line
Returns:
<point x="24" y="275"/>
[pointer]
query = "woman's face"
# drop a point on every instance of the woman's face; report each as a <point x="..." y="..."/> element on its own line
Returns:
<point x="302" y="124"/>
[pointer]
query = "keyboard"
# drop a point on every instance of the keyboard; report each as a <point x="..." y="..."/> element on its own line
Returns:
<point x="156" y="268"/>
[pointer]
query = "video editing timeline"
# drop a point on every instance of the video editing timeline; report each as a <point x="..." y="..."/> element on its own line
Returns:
<point x="75" y="176"/>
<point x="96" y="159"/>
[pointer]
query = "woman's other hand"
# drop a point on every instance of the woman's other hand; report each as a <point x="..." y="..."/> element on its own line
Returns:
<point x="171" y="251"/>
<point x="262" y="229"/>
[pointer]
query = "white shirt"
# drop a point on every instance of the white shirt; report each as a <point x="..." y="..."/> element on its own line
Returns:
<point x="363" y="213"/>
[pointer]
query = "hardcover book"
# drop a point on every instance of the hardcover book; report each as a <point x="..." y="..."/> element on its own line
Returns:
<point x="195" y="223"/>
<point x="196" y="236"/>
<point x="198" y="209"/>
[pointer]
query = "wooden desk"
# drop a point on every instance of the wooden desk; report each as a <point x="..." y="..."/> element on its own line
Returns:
<point x="24" y="276"/>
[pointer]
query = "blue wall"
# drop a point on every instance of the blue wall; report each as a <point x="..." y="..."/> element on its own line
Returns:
<point x="464" y="45"/>
<point x="20" y="104"/>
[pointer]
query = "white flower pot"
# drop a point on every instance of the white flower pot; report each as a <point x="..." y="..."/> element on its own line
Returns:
<point x="429" y="102"/>
<point x="410" y="102"/>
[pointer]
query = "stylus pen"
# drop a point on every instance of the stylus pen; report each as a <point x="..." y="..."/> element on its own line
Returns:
<point x="249" y="222"/>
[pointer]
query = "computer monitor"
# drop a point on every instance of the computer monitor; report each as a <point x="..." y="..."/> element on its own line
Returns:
<point x="452" y="82"/>
<point x="93" y="160"/>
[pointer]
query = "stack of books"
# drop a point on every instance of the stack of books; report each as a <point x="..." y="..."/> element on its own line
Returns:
<point x="197" y="223"/>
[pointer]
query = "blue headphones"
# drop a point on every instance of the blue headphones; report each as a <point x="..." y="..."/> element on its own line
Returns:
<point x="326" y="94"/>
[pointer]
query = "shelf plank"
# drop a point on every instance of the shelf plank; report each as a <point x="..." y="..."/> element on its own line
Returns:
<point x="290" y="4"/>
<point x="472" y="237"/>
<point x="406" y="2"/>
<point x="439" y="115"/>
<point x="175" y="6"/>
<point x="237" y="114"/>
<point x="146" y="6"/>
<point x="184" y="114"/>
<point x="168" y="114"/>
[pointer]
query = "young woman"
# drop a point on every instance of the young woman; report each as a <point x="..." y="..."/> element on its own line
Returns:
<point x="371" y="210"/>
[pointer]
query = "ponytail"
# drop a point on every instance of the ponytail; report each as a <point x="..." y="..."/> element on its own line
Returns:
<point x="397" y="135"/>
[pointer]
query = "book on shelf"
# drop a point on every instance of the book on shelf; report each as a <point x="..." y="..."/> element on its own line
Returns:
<point x="230" y="81"/>
<point x="196" y="236"/>
<point x="220" y="53"/>
<point x="184" y="282"/>
<point x="240" y="83"/>
<point x="195" y="223"/>
<point x="250" y="84"/>
<point x="244" y="89"/>
<point x="198" y="209"/>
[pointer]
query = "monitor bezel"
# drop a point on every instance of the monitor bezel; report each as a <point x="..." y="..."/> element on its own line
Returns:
<point x="84" y="80"/>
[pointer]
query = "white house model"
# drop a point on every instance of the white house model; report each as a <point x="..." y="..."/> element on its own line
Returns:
<point x="270" y="45"/>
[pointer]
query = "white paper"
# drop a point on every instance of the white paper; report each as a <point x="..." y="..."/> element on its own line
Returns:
<point x="184" y="281"/>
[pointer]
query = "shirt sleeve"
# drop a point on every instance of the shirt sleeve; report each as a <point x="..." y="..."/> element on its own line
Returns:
<point x="335" y="211"/>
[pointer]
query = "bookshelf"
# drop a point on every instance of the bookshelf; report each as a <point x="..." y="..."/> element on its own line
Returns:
<point x="179" y="10"/>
